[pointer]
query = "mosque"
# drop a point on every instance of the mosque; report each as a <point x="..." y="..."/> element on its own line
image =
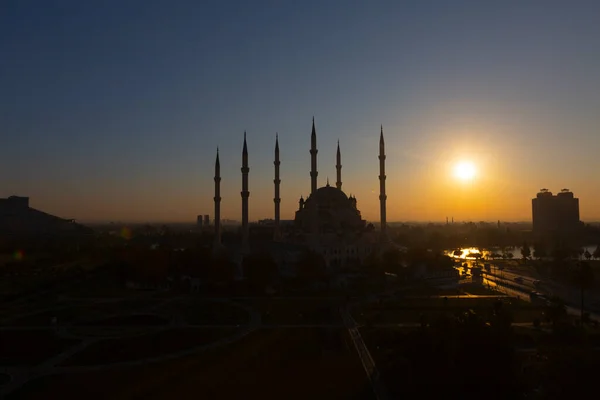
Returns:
<point x="328" y="206"/>
<point x="327" y="221"/>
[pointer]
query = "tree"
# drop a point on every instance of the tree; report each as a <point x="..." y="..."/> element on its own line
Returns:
<point x="597" y="252"/>
<point x="568" y="372"/>
<point x="587" y="255"/>
<point x="193" y="262"/>
<point x="539" y="251"/>
<point x="510" y="256"/>
<point x="435" y="242"/>
<point x="501" y="318"/>
<point x="559" y="252"/>
<point x="260" y="270"/>
<point x="311" y="267"/>
<point x="147" y="266"/>
<point x="525" y="251"/>
<point x="391" y="261"/>
<point x="555" y="310"/>
<point x="222" y="269"/>
<point x="585" y="276"/>
<point x="477" y="258"/>
<point x="445" y="348"/>
<point x="371" y="263"/>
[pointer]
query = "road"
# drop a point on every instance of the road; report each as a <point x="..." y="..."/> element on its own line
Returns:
<point x="571" y="296"/>
<point x="369" y="366"/>
<point x="523" y="291"/>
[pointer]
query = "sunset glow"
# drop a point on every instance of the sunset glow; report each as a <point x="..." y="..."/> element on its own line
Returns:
<point x="465" y="171"/>
<point x="473" y="113"/>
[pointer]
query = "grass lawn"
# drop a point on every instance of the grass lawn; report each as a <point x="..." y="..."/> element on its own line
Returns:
<point x="198" y="311"/>
<point x="128" y="320"/>
<point x="303" y="363"/>
<point x="28" y="348"/>
<point x="147" y="345"/>
<point x="101" y="291"/>
<point x="409" y="310"/>
<point x="297" y="311"/>
<point x="80" y="313"/>
<point x="4" y="378"/>
<point x="430" y="291"/>
<point x="65" y="315"/>
<point x="101" y="285"/>
<point x="408" y="373"/>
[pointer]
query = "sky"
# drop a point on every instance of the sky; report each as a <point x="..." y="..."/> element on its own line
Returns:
<point x="113" y="110"/>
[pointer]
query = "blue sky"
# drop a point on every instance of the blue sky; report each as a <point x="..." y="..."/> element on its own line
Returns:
<point x="113" y="110"/>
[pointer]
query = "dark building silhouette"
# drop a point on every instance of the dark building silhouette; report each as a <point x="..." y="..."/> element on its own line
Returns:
<point x="17" y="218"/>
<point x="555" y="214"/>
<point x="328" y="208"/>
<point x="327" y="221"/>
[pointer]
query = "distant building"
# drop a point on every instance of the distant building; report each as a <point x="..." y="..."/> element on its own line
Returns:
<point x="17" y="218"/>
<point x="14" y="204"/>
<point x="199" y="221"/>
<point x="206" y="220"/>
<point x="555" y="214"/>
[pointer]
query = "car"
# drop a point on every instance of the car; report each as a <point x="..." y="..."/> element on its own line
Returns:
<point x="538" y="298"/>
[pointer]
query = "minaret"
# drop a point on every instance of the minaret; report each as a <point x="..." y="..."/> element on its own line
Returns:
<point x="338" y="168"/>
<point x="217" y="199"/>
<point x="245" y="194"/>
<point x="277" y="181"/>
<point x="313" y="159"/>
<point x="382" y="195"/>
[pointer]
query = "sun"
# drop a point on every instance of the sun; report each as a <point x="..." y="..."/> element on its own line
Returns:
<point x="465" y="171"/>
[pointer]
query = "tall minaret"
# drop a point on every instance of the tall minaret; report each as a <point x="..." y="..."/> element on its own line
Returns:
<point x="382" y="195"/>
<point x="313" y="159"/>
<point x="277" y="181"/>
<point x="245" y="194"/>
<point x="217" y="199"/>
<point x="338" y="168"/>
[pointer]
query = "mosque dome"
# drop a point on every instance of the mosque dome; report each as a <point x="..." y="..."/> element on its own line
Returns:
<point x="331" y="196"/>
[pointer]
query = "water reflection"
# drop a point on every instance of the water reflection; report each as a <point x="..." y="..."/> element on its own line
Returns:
<point x="472" y="253"/>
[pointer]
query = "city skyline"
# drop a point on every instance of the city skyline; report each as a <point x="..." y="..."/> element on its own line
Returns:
<point x="115" y="114"/>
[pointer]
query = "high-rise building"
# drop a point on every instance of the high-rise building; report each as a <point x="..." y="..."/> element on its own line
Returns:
<point x="555" y="214"/>
<point x="199" y="221"/>
<point x="206" y="220"/>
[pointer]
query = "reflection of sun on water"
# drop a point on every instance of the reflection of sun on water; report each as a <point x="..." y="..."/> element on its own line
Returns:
<point x="464" y="171"/>
<point x="470" y="253"/>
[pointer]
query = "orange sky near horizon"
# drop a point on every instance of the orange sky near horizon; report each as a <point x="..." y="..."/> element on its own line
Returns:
<point x="424" y="189"/>
<point x="108" y="120"/>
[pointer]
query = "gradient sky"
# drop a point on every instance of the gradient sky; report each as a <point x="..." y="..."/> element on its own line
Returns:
<point x="113" y="110"/>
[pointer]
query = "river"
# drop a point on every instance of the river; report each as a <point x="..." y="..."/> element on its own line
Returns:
<point x="468" y="253"/>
